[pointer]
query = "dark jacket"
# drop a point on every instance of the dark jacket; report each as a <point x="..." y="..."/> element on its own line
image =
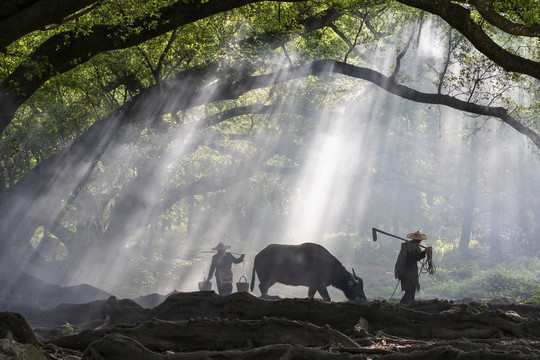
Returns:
<point x="221" y="265"/>
<point x="406" y="269"/>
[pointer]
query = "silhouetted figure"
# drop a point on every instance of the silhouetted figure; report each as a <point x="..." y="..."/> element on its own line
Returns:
<point x="221" y="264"/>
<point x="406" y="269"/>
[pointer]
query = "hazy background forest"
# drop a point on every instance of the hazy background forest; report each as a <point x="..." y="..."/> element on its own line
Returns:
<point x="123" y="164"/>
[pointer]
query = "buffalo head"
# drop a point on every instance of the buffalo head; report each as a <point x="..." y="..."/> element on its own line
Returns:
<point x="355" y="288"/>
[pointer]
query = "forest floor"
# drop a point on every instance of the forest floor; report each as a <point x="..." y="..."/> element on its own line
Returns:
<point x="203" y="325"/>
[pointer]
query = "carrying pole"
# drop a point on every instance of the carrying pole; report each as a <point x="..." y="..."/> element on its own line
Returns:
<point x="374" y="232"/>
<point x="212" y="252"/>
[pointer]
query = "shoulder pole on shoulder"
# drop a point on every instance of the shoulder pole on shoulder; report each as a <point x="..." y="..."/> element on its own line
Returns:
<point x="213" y="252"/>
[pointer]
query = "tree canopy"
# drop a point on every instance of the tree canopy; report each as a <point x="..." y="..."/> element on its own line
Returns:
<point x="186" y="99"/>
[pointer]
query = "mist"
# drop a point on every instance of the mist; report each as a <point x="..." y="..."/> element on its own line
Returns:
<point x="362" y="158"/>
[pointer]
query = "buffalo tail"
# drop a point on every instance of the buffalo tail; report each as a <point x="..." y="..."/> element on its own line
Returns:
<point x="253" y="277"/>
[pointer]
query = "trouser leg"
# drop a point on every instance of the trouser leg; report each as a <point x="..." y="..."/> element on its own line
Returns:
<point x="408" y="297"/>
<point x="224" y="289"/>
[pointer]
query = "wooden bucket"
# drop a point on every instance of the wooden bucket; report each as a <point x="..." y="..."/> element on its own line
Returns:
<point x="242" y="285"/>
<point x="205" y="285"/>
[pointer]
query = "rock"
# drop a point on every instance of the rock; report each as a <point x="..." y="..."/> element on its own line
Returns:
<point x="123" y="311"/>
<point x="93" y="314"/>
<point x="152" y="300"/>
<point x="13" y="350"/>
<point x="70" y="313"/>
<point x="46" y="295"/>
<point x="361" y="329"/>
<point x="14" y="326"/>
<point x="504" y="300"/>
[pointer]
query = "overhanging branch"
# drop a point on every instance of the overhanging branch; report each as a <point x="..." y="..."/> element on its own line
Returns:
<point x="229" y="91"/>
<point x="494" y="18"/>
<point x="459" y="18"/>
<point x="66" y="50"/>
<point x="324" y="66"/>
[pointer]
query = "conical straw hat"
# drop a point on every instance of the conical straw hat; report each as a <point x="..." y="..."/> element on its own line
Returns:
<point x="221" y="246"/>
<point x="417" y="236"/>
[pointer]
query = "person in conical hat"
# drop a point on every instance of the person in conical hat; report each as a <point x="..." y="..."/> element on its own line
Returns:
<point x="221" y="247"/>
<point x="406" y="268"/>
<point x="222" y="267"/>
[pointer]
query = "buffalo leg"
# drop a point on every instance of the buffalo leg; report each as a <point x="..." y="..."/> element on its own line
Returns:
<point x="264" y="286"/>
<point x="311" y="292"/>
<point x="324" y="293"/>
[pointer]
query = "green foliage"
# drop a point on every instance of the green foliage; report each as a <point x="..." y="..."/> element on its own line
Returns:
<point x="336" y="348"/>
<point x="517" y="280"/>
<point x="533" y="300"/>
<point x="482" y="307"/>
<point x="66" y="329"/>
<point x="521" y="11"/>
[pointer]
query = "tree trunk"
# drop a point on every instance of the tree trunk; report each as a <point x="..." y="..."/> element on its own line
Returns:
<point x="495" y="249"/>
<point x="468" y="199"/>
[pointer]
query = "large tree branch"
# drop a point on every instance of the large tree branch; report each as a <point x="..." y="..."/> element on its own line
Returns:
<point x="65" y="51"/>
<point x="460" y="18"/>
<point x="36" y="16"/>
<point x="494" y="18"/>
<point x="229" y="91"/>
<point x="11" y="7"/>
<point x="433" y="98"/>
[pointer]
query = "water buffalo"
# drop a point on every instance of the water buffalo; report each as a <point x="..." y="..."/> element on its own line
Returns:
<point x="307" y="264"/>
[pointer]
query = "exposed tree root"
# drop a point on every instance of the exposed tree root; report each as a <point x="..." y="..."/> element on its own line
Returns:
<point x="222" y="334"/>
<point x="459" y="320"/>
<point x="116" y="346"/>
<point x="203" y="325"/>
